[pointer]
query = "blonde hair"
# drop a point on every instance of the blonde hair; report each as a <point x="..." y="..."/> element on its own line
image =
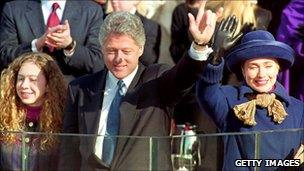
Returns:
<point x="13" y="112"/>
<point x="244" y="10"/>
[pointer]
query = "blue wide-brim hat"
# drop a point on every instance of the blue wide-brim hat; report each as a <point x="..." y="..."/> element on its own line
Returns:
<point x="259" y="44"/>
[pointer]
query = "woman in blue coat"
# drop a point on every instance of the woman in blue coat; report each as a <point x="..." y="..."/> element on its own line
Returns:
<point x="260" y="103"/>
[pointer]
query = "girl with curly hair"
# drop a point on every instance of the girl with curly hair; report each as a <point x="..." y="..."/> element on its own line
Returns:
<point x="32" y="99"/>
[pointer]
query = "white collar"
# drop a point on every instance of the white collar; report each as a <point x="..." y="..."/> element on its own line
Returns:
<point x="127" y="80"/>
<point x="49" y="3"/>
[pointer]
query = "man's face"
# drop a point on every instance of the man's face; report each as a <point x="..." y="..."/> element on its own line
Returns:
<point x="261" y="74"/>
<point x="121" y="54"/>
<point x="123" y="5"/>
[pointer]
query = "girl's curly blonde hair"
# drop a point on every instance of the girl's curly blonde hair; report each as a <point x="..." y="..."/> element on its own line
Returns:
<point x="12" y="110"/>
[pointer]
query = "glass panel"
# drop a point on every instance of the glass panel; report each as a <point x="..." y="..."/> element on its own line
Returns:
<point x="184" y="150"/>
<point x="81" y="151"/>
<point x="265" y="150"/>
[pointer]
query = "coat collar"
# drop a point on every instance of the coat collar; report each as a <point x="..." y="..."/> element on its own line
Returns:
<point x="129" y="117"/>
<point x="278" y="91"/>
<point x="94" y="91"/>
<point x="101" y="78"/>
<point x="136" y="78"/>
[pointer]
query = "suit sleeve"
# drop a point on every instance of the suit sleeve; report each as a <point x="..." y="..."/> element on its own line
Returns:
<point x="10" y="48"/>
<point x="178" y="81"/>
<point x="87" y="56"/>
<point x="70" y="119"/>
<point x="70" y="158"/>
<point x="211" y="95"/>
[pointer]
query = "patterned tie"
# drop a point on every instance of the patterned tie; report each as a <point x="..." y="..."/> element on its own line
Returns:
<point x="110" y="140"/>
<point x="53" y="20"/>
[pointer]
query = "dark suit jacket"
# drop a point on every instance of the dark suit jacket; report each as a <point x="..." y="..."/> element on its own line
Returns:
<point x="22" y="22"/>
<point x="153" y="38"/>
<point x="145" y="111"/>
<point x="181" y="38"/>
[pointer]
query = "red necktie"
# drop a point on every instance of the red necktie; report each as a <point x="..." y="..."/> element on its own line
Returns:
<point x="53" y="20"/>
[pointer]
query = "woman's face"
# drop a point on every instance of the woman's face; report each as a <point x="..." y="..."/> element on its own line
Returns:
<point x="261" y="73"/>
<point x="31" y="84"/>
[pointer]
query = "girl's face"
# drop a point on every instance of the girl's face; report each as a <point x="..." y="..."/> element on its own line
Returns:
<point x="31" y="84"/>
<point x="261" y="74"/>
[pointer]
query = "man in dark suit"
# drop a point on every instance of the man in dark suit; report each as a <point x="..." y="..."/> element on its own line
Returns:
<point x="152" y="31"/>
<point x="25" y="27"/>
<point x="147" y="95"/>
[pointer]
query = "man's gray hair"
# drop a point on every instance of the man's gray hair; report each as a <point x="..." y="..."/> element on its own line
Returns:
<point x="123" y="23"/>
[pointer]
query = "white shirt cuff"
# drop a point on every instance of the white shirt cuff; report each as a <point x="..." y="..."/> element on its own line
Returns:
<point x="199" y="55"/>
<point x="69" y="53"/>
<point x="34" y="48"/>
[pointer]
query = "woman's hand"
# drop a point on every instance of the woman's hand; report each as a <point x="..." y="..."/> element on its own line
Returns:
<point x="225" y="38"/>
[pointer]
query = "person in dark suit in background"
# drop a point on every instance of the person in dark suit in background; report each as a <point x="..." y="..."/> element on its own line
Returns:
<point x="66" y="30"/>
<point x="145" y="95"/>
<point x="152" y="31"/>
<point x="180" y="41"/>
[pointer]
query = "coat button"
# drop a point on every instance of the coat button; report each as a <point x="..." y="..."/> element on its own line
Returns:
<point x="27" y="139"/>
<point x="31" y="124"/>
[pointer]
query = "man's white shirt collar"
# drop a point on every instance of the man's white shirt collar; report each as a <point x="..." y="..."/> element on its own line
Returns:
<point x="127" y="80"/>
<point x="49" y="3"/>
<point x="46" y="6"/>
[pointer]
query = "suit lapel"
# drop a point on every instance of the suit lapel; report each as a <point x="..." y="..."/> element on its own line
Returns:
<point x="128" y="108"/>
<point x="35" y="19"/>
<point x="92" y="98"/>
<point x="72" y="12"/>
<point x="93" y="104"/>
<point x="129" y="115"/>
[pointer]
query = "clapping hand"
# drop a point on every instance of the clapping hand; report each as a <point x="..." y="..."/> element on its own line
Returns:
<point x="225" y="38"/>
<point x="202" y="27"/>
<point x="59" y="36"/>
